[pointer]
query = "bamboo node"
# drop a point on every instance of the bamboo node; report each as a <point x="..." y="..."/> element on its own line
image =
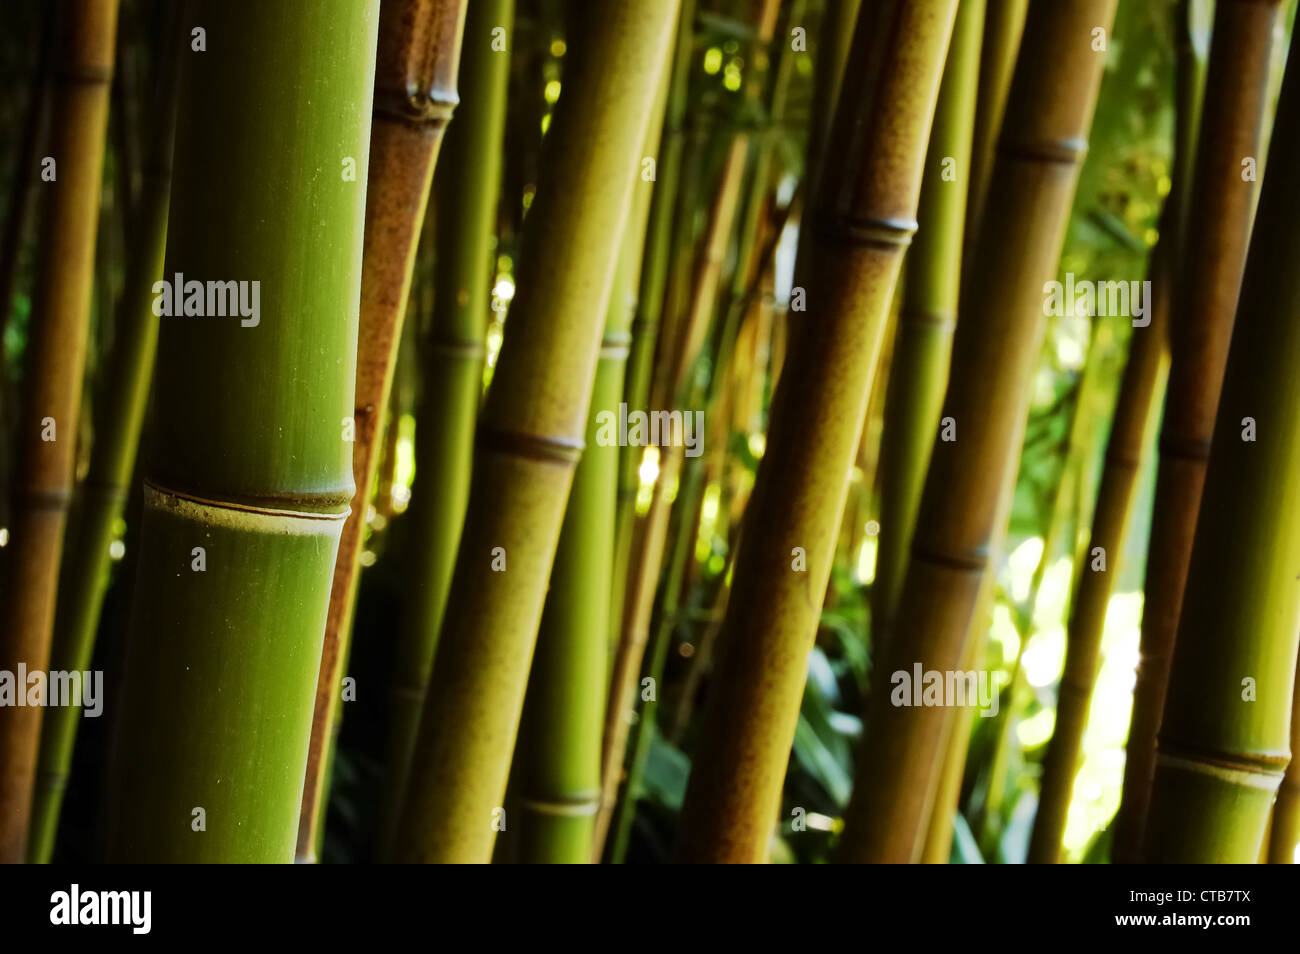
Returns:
<point x="242" y="516"/>
<point x="1064" y="151"/>
<point x="873" y="232"/>
<point x="544" y="447"/>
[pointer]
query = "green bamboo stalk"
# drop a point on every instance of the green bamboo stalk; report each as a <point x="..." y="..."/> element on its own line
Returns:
<point x="651" y="297"/>
<point x="1213" y="258"/>
<point x="1284" y="826"/>
<point x="1049" y="111"/>
<point x="923" y="341"/>
<point x="1004" y="24"/>
<point x="466" y="192"/>
<point x="865" y="218"/>
<point x="530" y="437"/>
<point x="118" y="420"/>
<point x="241" y="527"/>
<point x="47" y="425"/>
<point x="559" y="766"/>
<point x="1224" y="740"/>
<point x="415" y="95"/>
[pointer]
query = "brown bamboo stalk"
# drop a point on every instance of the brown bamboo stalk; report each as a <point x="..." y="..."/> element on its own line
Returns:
<point x="47" y="425"/>
<point x="415" y="94"/>
<point x="1048" y="114"/>
<point x="865" y="217"/>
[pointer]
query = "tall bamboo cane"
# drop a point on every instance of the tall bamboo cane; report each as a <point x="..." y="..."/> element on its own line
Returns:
<point x="1214" y="256"/>
<point x="1224" y="739"/>
<point x="865" y="218"/>
<point x="1049" y="111"/>
<point x="119" y="417"/>
<point x="467" y="192"/>
<point x="1004" y="23"/>
<point x="559" y="765"/>
<point x="1140" y="387"/>
<point x="923" y="342"/>
<point x="530" y="437"/>
<point x="47" y="427"/>
<point x="415" y="94"/>
<point x="251" y="476"/>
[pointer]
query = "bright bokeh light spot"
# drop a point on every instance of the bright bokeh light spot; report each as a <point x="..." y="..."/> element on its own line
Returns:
<point x="546" y="125"/>
<point x="757" y="444"/>
<point x="712" y="60"/>
<point x="648" y="473"/>
<point x="552" y="91"/>
<point x="1037" y="729"/>
<point x="731" y="77"/>
<point x="708" y="521"/>
<point x="1003" y="632"/>
<point x="867" y="560"/>
<point x="4" y="536"/>
<point x="116" y="550"/>
<point x="558" y="48"/>
<point x="1044" y="656"/>
<point x="367" y="558"/>
<point x="504" y="289"/>
<point x="404" y="468"/>
<point x="1021" y="564"/>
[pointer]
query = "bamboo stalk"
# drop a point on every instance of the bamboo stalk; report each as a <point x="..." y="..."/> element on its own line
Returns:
<point x="120" y="415"/>
<point x="1049" y="111"/>
<point x="923" y="341"/>
<point x="650" y="305"/>
<point x="47" y="427"/>
<point x="241" y="527"/>
<point x="561" y="737"/>
<point x="467" y="194"/>
<point x="1004" y="24"/>
<point x="530" y="438"/>
<point x="1224" y="739"/>
<point x="1214" y="256"/>
<point x="650" y="537"/>
<point x="415" y="95"/>
<point x="865" y="217"/>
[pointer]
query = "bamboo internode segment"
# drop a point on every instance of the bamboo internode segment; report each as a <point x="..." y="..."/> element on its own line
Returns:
<point x="919" y="362"/>
<point x="252" y="462"/>
<point x="1224" y="738"/>
<point x="923" y="341"/>
<point x="542" y="387"/>
<point x="415" y="93"/>
<point x="466" y="193"/>
<point x="51" y="403"/>
<point x="1210" y="275"/>
<point x="1048" y="114"/>
<point x="876" y="152"/>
